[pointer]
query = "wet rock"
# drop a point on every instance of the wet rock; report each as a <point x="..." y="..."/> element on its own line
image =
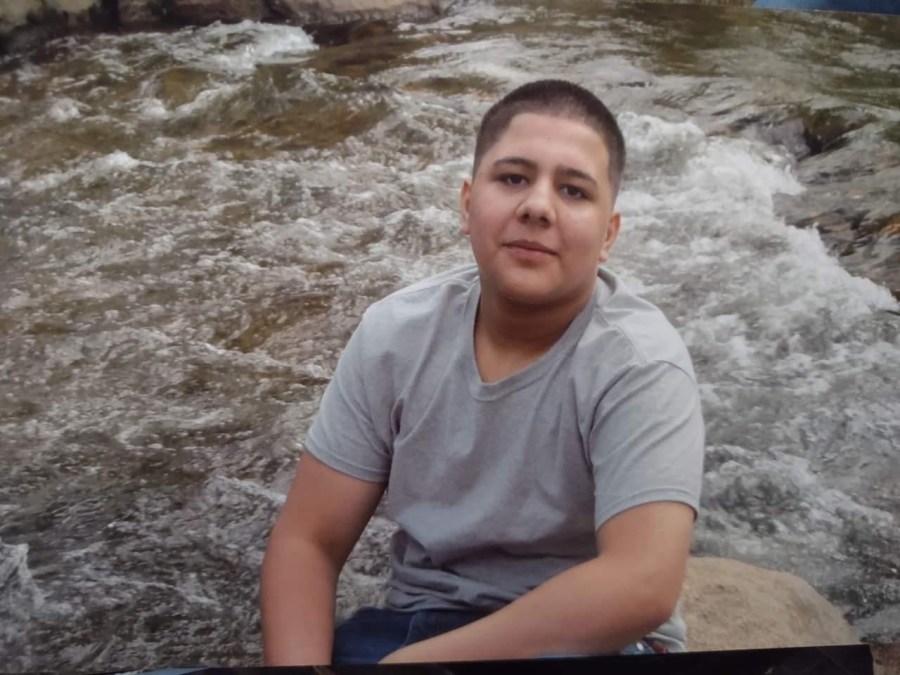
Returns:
<point x="135" y="14"/>
<point x="891" y="227"/>
<point x="826" y="128"/>
<point x="732" y="605"/>
<point x="361" y="58"/>
<point x="865" y="239"/>
<point x="881" y="222"/>
<point x="788" y="134"/>
<point x="804" y="131"/>
<point x="850" y="175"/>
<point x="878" y="259"/>
<point x="327" y="12"/>
<point x="17" y="13"/>
<point x="776" y="127"/>
<point x="19" y="598"/>
<point x="26" y="24"/>
<point x="138" y="13"/>
<point x="336" y="34"/>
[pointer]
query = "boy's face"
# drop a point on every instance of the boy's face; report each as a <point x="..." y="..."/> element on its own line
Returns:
<point x="539" y="211"/>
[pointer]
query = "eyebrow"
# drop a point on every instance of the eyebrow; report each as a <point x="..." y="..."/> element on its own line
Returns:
<point x="529" y="164"/>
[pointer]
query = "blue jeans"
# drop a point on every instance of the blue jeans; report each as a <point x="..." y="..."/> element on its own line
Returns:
<point x="371" y="634"/>
<point x="877" y="6"/>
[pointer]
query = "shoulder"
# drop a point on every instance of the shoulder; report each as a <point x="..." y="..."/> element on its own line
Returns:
<point x="431" y="300"/>
<point x="627" y="330"/>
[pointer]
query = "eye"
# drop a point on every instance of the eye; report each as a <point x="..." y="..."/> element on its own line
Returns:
<point x="574" y="192"/>
<point x="513" y="179"/>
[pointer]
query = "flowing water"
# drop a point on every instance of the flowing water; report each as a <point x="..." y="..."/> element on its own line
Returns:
<point x="192" y="222"/>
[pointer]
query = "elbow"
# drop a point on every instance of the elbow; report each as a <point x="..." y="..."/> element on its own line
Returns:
<point x="658" y="598"/>
<point x="649" y="589"/>
<point x="659" y="612"/>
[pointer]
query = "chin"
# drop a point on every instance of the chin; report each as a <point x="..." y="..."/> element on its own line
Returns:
<point x="541" y="295"/>
<point x="529" y="297"/>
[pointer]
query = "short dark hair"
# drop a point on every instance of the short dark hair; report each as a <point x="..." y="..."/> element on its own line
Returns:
<point x="560" y="98"/>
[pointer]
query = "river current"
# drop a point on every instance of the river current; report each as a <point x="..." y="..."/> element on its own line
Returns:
<point x="192" y="222"/>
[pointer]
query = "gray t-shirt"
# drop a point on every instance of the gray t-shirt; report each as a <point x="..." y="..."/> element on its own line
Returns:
<point x="498" y="487"/>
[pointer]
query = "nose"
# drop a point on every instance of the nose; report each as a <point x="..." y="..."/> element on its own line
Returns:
<point x="536" y="206"/>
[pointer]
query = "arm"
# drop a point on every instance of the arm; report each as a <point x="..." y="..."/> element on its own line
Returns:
<point x="596" y="607"/>
<point x="322" y="518"/>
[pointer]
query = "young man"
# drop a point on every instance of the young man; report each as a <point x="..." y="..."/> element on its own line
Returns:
<point x="537" y="428"/>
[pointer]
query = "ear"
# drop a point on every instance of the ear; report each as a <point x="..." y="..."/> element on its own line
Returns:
<point x="612" y="231"/>
<point x="464" y="197"/>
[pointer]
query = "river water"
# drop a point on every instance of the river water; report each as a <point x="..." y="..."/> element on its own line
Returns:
<point x="193" y="221"/>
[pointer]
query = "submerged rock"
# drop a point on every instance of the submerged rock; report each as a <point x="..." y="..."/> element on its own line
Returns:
<point x="827" y="128"/>
<point x="805" y="130"/>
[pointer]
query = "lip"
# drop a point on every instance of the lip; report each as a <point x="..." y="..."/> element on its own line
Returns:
<point x="527" y="245"/>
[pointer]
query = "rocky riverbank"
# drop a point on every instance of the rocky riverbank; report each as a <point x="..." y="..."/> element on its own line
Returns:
<point x="27" y="24"/>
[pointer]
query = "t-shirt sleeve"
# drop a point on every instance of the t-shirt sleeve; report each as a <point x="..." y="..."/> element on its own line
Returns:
<point x="347" y="434"/>
<point x="646" y="441"/>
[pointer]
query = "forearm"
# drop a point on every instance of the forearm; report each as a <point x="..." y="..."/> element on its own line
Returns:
<point x="597" y="607"/>
<point x="297" y="603"/>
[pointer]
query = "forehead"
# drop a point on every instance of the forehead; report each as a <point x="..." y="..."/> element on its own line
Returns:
<point x="561" y="139"/>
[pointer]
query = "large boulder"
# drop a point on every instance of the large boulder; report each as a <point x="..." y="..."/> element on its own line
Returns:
<point x="732" y="605"/>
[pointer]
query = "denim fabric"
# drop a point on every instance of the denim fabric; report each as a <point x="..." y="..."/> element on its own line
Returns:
<point x="877" y="6"/>
<point x="371" y="634"/>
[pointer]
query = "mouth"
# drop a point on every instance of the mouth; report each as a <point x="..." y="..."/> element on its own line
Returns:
<point x="526" y="245"/>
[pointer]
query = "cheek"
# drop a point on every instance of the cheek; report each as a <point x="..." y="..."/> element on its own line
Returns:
<point x="479" y="241"/>
<point x="587" y="235"/>
<point x="482" y="222"/>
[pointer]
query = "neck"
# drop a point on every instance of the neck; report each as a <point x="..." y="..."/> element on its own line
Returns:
<point x="509" y="336"/>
